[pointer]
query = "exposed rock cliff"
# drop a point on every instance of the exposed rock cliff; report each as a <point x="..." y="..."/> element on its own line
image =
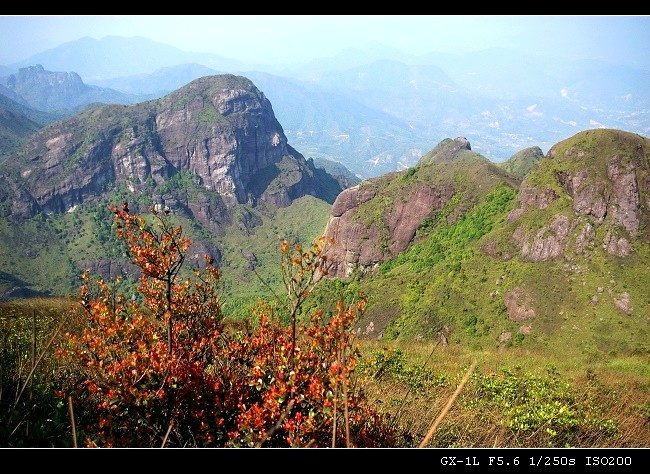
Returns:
<point x="592" y="189"/>
<point x="379" y="218"/>
<point x="218" y="131"/>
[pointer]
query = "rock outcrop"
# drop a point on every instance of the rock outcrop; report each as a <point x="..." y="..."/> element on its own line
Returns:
<point x="603" y="175"/>
<point x="379" y="218"/>
<point x="360" y="244"/>
<point x="218" y="133"/>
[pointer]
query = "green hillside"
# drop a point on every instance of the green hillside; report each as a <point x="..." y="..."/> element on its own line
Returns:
<point x="463" y="281"/>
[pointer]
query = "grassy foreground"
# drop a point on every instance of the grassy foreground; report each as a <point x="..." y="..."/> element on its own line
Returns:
<point x="452" y="397"/>
<point x="437" y="396"/>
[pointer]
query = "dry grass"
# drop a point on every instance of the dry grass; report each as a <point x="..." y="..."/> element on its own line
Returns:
<point x="513" y="399"/>
<point x="602" y="403"/>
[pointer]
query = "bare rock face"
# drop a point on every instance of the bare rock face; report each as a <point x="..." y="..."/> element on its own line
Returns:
<point x="361" y="244"/>
<point x="625" y="207"/>
<point x="618" y="246"/>
<point x="531" y="197"/>
<point x="623" y="303"/>
<point x="15" y="201"/>
<point x="549" y="242"/>
<point x="518" y="305"/>
<point x="234" y="134"/>
<point x="219" y="132"/>
<point x="588" y="197"/>
<point x="585" y="238"/>
<point x="605" y="184"/>
<point x="351" y="198"/>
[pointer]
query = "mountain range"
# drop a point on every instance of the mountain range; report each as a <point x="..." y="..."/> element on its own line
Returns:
<point x="376" y="110"/>
<point x="449" y="244"/>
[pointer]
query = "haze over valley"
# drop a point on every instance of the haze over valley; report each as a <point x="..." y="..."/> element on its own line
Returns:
<point x="503" y="82"/>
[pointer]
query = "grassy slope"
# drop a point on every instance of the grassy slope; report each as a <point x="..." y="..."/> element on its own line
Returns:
<point x="446" y="283"/>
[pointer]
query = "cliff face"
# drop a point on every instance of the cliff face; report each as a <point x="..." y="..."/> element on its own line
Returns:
<point x="379" y="218"/>
<point x="592" y="190"/>
<point x="223" y="132"/>
<point x="218" y="131"/>
<point x="362" y="244"/>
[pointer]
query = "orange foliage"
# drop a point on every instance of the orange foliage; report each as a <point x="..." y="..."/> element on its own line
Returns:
<point x="162" y="370"/>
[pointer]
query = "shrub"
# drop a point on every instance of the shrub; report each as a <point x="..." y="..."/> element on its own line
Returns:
<point x="164" y="368"/>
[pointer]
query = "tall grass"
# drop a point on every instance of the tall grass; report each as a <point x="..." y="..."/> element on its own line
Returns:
<point x="514" y="398"/>
<point x="438" y="396"/>
<point x="30" y="414"/>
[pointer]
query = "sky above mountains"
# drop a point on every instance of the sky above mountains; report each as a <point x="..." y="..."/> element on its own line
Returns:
<point x="286" y="39"/>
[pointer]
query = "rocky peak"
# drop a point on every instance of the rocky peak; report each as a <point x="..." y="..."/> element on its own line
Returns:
<point x="39" y="86"/>
<point x="448" y="150"/>
<point x="58" y="92"/>
<point x="219" y="132"/>
<point x="359" y="243"/>
<point x="37" y="74"/>
<point x="377" y="219"/>
<point x="235" y="134"/>
<point x="603" y="175"/>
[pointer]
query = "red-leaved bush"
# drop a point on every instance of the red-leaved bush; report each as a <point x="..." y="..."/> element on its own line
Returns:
<point x="166" y="368"/>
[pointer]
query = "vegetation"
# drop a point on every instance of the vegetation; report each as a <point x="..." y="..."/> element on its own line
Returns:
<point x="167" y="367"/>
<point x="512" y="399"/>
<point x="522" y="162"/>
<point x="163" y="369"/>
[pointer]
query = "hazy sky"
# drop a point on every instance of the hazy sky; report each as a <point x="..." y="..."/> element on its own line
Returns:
<point x="273" y="38"/>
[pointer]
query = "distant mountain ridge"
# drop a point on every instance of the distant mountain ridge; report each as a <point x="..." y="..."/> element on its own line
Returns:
<point x="376" y="110"/>
<point x="116" y="56"/>
<point x="60" y="92"/>
<point x="15" y="124"/>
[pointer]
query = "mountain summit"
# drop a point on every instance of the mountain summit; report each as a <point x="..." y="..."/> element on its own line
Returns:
<point x="218" y="130"/>
<point x="212" y="152"/>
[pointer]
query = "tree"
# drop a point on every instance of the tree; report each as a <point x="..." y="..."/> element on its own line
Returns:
<point x="166" y="370"/>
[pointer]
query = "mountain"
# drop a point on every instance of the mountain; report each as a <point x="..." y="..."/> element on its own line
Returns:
<point x="15" y="125"/>
<point x="212" y="152"/>
<point x="321" y="124"/>
<point x="523" y="161"/>
<point x="159" y="82"/>
<point x="457" y="250"/>
<point x="379" y="218"/>
<point x="14" y="103"/>
<point x="116" y="56"/>
<point x="377" y="110"/>
<point x="60" y="92"/>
